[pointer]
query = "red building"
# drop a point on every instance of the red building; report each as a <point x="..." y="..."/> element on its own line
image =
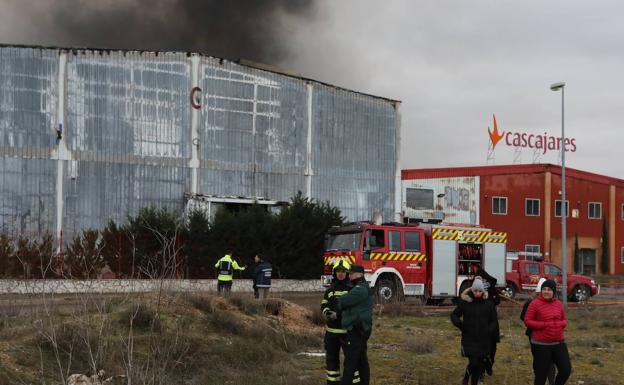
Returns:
<point x="525" y="201"/>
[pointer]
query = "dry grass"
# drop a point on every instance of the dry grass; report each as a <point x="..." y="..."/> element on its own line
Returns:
<point x="425" y="349"/>
<point x="249" y="342"/>
<point x="195" y="340"/>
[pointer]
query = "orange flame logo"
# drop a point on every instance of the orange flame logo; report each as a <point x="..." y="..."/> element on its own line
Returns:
<point x="495" y="136"/>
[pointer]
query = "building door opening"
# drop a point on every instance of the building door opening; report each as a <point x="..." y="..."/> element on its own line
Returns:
<point x="587" y="261"/>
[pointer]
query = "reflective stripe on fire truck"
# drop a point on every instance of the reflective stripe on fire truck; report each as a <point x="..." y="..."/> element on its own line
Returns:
<point x="418" y="257"/>
<point x="469" y="235"/>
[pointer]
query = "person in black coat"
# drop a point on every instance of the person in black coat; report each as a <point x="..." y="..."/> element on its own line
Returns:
<point x="475" y="316"/>
<point x="262" y="277"/>
<point x="489" y="283"/>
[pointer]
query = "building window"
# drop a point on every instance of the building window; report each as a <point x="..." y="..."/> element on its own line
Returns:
<point x="623" y="211"/>
<point x="412" y="241"/>
<point x="622" y="255"/>
<point x="532" y="248"/>
<point x="595" y="210"/>
<point x="558" y="208"/>
<point x="499" y="205"/>
<point x="419" y="199"/>
<point x="532" y="207"/>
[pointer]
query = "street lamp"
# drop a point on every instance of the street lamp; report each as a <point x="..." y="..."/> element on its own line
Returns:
<point x="556" y="87"/>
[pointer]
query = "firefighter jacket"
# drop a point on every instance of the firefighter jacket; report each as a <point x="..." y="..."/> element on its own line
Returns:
<point x="477" y="320"/>
<point x="226" y="267"/>
<point x="336" y="290"/>
<point x="262" y="275"/>
<point x="357" y="307"/>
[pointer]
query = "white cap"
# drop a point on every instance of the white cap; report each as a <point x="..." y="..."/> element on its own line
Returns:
<point x="538" y="288"/>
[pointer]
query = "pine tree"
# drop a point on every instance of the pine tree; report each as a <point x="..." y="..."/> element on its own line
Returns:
<point x="577" y="263"/>
<point x="604" y="265"/>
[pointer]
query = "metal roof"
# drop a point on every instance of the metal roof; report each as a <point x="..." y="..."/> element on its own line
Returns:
<point x="509" y="169"/>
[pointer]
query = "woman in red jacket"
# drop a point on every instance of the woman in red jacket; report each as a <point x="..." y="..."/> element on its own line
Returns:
<point x="546" y="318"/>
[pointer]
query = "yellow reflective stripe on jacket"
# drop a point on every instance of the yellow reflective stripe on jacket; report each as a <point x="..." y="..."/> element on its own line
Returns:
<point x="337" y="293"/>
<point x="336" y="331"/>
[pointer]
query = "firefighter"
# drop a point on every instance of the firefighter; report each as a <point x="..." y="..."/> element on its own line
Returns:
<point x="335" y="335"/>
<point x="225" y="267"/>
<point x="357" y="318"/>
<point x="262" y="277"/>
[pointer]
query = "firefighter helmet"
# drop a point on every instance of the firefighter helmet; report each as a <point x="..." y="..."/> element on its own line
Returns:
<point x="341" y="264"/>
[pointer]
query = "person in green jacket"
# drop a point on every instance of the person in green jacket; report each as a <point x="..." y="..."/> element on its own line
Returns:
<point x="356" y="309"/>
<point x="226" y="266"/>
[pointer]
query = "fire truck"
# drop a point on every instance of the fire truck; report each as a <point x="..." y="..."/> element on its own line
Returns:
<point x="434" y="261"/>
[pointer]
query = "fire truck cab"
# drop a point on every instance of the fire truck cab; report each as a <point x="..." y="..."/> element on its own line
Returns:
<point x="432" y="261"/>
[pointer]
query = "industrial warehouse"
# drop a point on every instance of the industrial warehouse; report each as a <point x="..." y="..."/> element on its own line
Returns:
<point x="88" y="136"/>
<point x="525" y="202"/>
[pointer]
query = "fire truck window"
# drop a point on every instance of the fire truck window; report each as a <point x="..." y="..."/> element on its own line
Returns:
<point x="394" y="238"/>
<point x="551" y="270"/>
<point x="531" y="268"/>
<point x="412" y="241"/>
<point x="377" y="239"/>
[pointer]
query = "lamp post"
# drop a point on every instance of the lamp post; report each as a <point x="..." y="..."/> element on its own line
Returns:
<point x="564" y="263"/>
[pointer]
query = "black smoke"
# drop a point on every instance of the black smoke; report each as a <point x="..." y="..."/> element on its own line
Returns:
<point x="233" y="29"/>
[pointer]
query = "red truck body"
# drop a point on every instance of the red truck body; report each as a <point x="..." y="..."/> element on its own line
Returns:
<point x="524" y="275"/>
<point x="433" y="261"/>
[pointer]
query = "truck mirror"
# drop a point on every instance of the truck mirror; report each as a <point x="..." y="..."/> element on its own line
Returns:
<point x="366" y="255"/>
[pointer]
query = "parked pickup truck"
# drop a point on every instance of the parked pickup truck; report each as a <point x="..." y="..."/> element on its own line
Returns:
<point x="524" y="275"/>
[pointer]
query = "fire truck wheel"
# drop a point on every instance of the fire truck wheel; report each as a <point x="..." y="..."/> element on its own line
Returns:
<point x="385" y="290"/>
<point x="509" y="291"/>
<point x="580" y="293"/>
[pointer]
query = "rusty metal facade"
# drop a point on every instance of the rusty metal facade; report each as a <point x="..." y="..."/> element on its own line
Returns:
<point x="89" y="136"/>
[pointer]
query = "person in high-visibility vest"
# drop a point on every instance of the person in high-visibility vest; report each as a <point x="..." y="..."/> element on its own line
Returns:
<point x="335" y="334"/>
<point x="225" y="267"/>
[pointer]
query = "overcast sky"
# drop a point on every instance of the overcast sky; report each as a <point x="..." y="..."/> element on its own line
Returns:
<point x="452" y="63"/>
<point x="455" y="63"/>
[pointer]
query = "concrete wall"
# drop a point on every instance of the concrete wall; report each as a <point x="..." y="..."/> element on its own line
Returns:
<point x="111" y="286"/>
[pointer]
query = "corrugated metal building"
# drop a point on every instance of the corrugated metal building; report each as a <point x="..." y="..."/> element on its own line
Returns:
<point x="525" y="201"/>
<point x="87" y="136"/>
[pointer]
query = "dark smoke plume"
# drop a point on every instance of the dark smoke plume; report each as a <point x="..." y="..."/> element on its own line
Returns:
<point x="232" y="29"/>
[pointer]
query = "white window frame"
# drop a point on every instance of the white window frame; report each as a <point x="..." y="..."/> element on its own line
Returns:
<point x="567" y="206"/>
<point x="599" y="211"/>
<point x="539" y="249"/>
<point x="539" y="207"/>
<point x="506" y="205"/>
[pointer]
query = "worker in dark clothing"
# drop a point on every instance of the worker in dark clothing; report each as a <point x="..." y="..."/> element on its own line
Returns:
<point x="335" y="335"/>
<point x="357" y="318"/>
<point x="489" y="283"/>
<point x="262" y="277"/>
<point x="475" y="316"/>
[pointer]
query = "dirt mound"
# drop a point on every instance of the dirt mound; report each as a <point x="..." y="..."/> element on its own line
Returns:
<point x="292" y="316"/>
